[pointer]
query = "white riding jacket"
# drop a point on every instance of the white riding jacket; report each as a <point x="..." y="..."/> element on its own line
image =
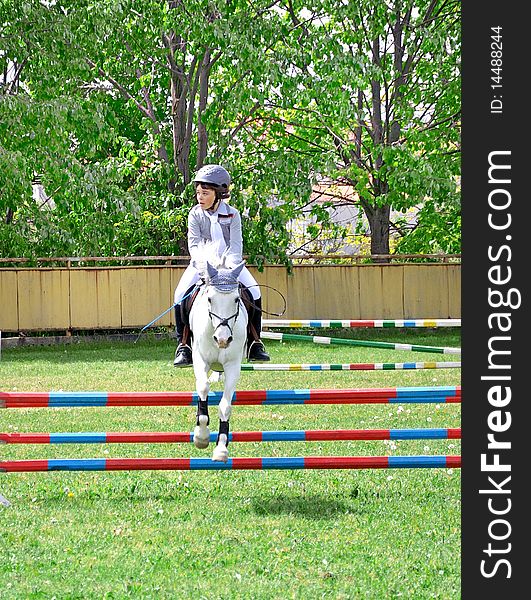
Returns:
<point x="199" y="231"/>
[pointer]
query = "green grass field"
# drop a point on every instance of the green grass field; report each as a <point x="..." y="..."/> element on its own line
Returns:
<point x="311" y="534"/>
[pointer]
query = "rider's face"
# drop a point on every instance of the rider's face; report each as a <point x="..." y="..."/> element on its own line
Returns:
<point x="206" y="197"/>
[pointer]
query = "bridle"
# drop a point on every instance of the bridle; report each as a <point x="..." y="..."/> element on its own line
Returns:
<point x="224" y="321"/>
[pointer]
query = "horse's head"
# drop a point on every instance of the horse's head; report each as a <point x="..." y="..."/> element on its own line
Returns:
<point x="223" y="297"/>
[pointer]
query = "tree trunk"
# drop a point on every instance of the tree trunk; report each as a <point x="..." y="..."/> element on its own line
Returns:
<point x="378" y="217"/>
<point x="202" y="136"/>
<point x="179" y="87"/>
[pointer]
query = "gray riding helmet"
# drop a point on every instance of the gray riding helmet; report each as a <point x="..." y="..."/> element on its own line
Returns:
<point x="216" y="176"/>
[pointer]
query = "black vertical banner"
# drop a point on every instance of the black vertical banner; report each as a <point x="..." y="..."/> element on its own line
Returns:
<point x="496" y="241"/>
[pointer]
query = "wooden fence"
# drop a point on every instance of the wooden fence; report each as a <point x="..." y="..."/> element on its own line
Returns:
<point x="129" y="297"/>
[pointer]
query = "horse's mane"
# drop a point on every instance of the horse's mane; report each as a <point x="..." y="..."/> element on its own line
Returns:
<point x="207" y="252"/>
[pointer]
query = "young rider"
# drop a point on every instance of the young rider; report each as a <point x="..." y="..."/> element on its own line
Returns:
<point x="213" y="219"/>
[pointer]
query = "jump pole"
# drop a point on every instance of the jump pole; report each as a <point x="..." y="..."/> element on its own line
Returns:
<point x="403" y="395"/>
<point x="316" y="339"/>
<point x="406" y="366"/>
<point x="206" y="464"/>
<point x="315" y="435"/>
<point x="343" y="324"/>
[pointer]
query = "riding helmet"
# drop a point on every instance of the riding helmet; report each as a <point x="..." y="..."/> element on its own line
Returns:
<point x="216" y="176"/>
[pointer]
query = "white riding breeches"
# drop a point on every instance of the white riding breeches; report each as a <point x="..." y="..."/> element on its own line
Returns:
<point x="191" y="277"/>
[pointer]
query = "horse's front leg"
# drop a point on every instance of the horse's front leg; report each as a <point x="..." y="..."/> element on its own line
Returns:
<point x="201" y="431"/>
<point x="232" y="375"/>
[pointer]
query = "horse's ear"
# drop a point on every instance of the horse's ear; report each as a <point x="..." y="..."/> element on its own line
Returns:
<point x="238" y="269"/>
<point x="212" y="271"/>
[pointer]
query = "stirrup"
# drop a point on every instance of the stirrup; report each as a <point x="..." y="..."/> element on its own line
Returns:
<point x="257" y="352"/>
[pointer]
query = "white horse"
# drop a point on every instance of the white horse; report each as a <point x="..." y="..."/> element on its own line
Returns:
<point x="218" y="322"/>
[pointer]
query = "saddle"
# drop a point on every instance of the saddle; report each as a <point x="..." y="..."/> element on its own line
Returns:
<point x="191" y="295"/>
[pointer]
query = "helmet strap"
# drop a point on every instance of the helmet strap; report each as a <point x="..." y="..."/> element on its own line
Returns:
<point x="215" y="206"/>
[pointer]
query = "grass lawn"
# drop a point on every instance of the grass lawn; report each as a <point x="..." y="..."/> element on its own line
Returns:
<point x="235" y="534"/>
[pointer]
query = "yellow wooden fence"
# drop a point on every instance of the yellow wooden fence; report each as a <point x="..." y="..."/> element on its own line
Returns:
<point x="48" y="299"/>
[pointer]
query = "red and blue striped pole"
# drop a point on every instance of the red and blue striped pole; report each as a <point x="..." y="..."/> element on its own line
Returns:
<point x="405" y="395"/>
<point x="236" y="436"/>
<point x="202" y="464"/>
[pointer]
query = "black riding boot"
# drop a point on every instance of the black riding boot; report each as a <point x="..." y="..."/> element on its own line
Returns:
<point x="183" y="353"/>
<point x="256" y="351"/>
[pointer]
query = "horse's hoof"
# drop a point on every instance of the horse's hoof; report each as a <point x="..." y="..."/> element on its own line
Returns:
<point x="201" y="436"/>
<point x="201" y="443"/>
<point x="201" y="440"/>
<point x="220" y="454"/>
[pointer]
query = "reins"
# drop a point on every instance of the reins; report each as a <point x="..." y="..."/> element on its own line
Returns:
<point x="261" y="285"/>
<point x="241" y="286"/>
<point x="163" y="313"/>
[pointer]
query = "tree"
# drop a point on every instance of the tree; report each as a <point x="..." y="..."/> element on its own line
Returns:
<point x="115" y="103"/>
<point x="128" y="87"/>
<point x="375" y="87"/>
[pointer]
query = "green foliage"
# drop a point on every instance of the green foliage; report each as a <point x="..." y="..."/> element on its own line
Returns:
<point x="378" y="91"/>
<point x="114" y="103"/>
<point x="438" y="230"/>
<point x="148" y="233"/>
<point x="105" y="233"/>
